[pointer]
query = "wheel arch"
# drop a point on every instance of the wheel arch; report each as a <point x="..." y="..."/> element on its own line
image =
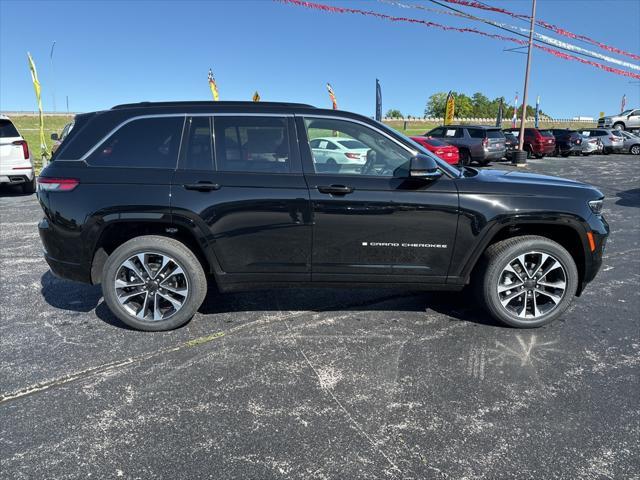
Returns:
<point x="570" y="234"/>
<point x="116" y="233"/>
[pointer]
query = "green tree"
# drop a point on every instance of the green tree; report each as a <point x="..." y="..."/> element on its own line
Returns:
<point x="394" y="113"/>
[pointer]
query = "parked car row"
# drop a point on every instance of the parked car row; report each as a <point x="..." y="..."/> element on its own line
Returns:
<point x="481" y="144"/>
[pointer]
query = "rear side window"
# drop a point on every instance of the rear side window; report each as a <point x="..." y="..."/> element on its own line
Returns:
<point x="7" y="129"/>
<point x="142" y="143"/>
<point x="436" y="132"/>
<point x="494" y="134"/>
<point x="198" y="146"/>
<point x="476" y="132"/>
<point x="546" y="133"/>
<point x="252" y="144"/>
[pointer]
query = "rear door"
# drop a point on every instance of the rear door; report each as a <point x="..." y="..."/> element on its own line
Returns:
<point x="239" y="185"/>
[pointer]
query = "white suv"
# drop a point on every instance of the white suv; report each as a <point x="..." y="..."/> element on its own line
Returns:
<point x="15" y="161"/>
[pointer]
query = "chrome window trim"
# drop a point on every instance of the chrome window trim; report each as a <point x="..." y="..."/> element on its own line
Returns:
<point x="171" y="115"/>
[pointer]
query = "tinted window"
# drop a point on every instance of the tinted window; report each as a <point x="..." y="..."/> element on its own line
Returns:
<point x="475" y="132"/>
<point x="351" y="144"/>
<point x="494" y="134"/>
<point x="436" y="132"/>
<point x="546" y="133"/>
<point x="198" y="148"/>
<point x="331" y="146"/>
<point x="7" y="129"/>
<point x="143" y="143"/>
<point x="315" y="143"/>
<point x="383" y="157"/>
<point x="252" y="144"/>
<point x="453" y="132"/>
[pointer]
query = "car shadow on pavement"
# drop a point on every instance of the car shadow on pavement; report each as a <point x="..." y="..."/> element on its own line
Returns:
<point x="67" y="295"/>
<point x="629" y="198"/>
<point x="79" y="297"/>
<point x="333" y="300"/>
<point x="12" y="191"/>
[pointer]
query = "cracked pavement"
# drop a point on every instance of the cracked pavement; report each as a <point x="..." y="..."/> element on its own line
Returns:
<point x="323" y="384"/>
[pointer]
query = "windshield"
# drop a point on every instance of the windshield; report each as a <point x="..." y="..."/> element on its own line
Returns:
<point x="626" y="112"/>
<point x="546" y="133"/>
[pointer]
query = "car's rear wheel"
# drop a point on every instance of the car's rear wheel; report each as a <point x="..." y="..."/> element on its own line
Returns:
<point x="618" y="126"/>
<point x="527" y="281"/>
<point x="635" y="150"/>
<point x="153" y="283"/>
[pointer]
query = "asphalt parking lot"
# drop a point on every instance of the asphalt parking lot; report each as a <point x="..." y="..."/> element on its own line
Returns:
<point x="323" y="384"/>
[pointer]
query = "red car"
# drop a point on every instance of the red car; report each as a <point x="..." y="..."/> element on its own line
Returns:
<point x="537" y="143"/>
<point x="443" y="150"/>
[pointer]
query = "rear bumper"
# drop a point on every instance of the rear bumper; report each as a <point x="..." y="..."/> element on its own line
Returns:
<point x="492" y="155"/>
<point x="16" y="176"/>
<point x="78" y="272"/>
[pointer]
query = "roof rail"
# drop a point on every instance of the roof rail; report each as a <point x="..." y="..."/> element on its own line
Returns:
<point x="209" y="104"/>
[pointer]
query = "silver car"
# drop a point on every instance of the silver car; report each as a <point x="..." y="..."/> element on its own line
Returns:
<point x="611" y="139"/>
<point x="631" y="143"/>
<point x="591" y="145"/>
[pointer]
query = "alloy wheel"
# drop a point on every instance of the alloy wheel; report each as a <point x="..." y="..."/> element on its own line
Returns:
<point x="532" y="285"/>
<point x="151" y="286"/>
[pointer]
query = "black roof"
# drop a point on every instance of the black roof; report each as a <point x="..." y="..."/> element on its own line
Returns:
<point x="210" y="103"/>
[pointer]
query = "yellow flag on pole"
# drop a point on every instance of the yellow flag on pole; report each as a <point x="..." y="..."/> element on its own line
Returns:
<point x="449" y="109"/>
<point x="44" y="151"/>
<point x="213" y="86"/>
<point x="256" y="97"/>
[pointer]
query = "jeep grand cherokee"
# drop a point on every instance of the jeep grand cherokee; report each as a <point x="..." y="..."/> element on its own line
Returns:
<point x="150" y="198"/>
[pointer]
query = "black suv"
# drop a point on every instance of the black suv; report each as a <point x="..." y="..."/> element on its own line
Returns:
<point x="151" y="198"/>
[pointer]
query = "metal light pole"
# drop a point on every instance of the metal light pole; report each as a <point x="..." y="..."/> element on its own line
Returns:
<point x="522" y="159"/>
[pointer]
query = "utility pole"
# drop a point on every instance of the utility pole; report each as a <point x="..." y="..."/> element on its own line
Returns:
<point x="520" y="158"/>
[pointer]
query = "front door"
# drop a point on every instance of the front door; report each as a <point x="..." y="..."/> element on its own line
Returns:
<point x="240" y="182"/>
<point x="372" y="223"/>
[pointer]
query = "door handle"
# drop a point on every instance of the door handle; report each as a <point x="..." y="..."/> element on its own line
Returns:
<point x="335" y="189"/>
<point x="202" y="186"/>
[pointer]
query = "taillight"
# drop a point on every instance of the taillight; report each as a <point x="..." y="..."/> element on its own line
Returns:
<point x="613" y="139"/>
<point x="353" y="156"/>
<point x="25" y="148"/>
<point x="57" y="184"/>
<point x="485" y="142"/>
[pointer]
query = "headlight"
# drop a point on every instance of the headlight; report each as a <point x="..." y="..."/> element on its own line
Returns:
<point x="596" y="206"/>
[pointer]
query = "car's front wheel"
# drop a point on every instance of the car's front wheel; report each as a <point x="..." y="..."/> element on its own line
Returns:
<point x="619" y="126"/>
<point x="635" y="150"/>
<point x="528" y="281"/>
<point x="153" y="283"/>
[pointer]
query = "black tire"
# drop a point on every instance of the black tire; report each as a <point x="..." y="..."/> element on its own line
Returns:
<point x="483" y="163"/>
<point x="539" y="156"/>
<point x="565" y="155"/>
<point x="496" y="258"/>
<point x="618" y="126"/>
<point x="606" y="151"/>
<point x="527" y="149"/>
<point x="182" y="255"/>
<point x="465" y="157"/>
<point x="634" y="150"/>
<point x="29" y="187"/>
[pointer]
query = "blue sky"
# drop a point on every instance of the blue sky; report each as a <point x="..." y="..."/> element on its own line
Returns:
<point x="124" y="51"/>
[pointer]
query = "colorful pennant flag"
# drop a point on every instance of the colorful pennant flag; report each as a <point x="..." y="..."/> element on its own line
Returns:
<point x="213" y="86"/>
<point x="514" y="119"/>
<point x="332" y="96"/>
<point x="449" y="109"/>
<point x="256" y="97"/>
<point x="624" y="102"/>
<point x="44" y="151"/>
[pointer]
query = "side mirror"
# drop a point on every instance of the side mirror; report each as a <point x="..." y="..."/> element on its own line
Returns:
<point x="423" y="166"/>
<point x="54" y="136"/>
